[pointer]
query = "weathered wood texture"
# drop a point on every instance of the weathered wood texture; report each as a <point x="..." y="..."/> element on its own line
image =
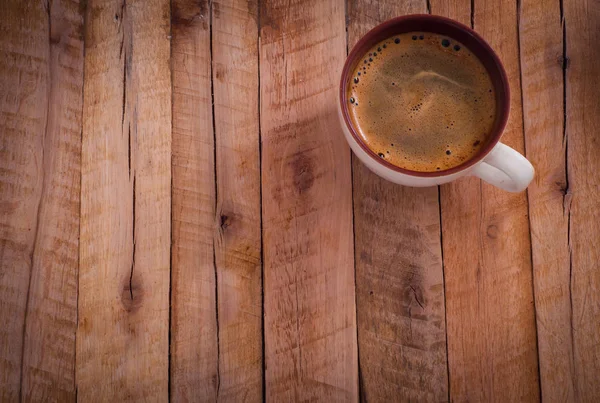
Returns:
<point x="492" y="352"/>
<point x="123" y="330"/>
<point x="238" y="240"/>
<point x="51" y="318"/>
<point x="194" y="348"/>
<point x="399" y="279"/>
<point x="310" y="324"/>
<point x="582" y="22"/>
<point x="41" y="79"/>
<point x="542" y="61"/>
<point x="24" y="80"/>
<point x="143" y="178"/>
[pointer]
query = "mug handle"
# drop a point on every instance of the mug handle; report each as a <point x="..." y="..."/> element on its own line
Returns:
<point x="505" y="168"/>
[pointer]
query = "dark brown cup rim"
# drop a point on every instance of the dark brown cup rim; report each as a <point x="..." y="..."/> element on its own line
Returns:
<point x="454" y="30"/>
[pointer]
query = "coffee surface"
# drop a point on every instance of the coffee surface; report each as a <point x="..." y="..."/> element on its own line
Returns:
<point x="422" y="101"/>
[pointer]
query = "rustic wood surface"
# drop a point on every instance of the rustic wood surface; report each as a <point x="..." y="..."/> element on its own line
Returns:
<point x="181" y="218"/>
<point x="399" y="279"/>
<point x="193" y="320"/>
<point x="125" y="231"/>
<point x="309" y="302"/>
<point x="492" y="350"/>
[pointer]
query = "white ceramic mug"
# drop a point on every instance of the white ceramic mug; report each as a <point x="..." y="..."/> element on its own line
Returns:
<point x="496" y="163"/>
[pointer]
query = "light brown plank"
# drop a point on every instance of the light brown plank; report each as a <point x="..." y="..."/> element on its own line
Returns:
<point x="194" y="349"/>
<point x="24" y="87"/>
<point x="238" y="240"/>
<point x="310" y="327"/>
<point x="541" y="40"/>
<point x="49" y="351"/>
<point x="122" y="339"/>
<point x="41" y="65"/>
<point x="24" y="110"/>
<point x="582" y="21"/>
<point x="492" y="352"/>
<point x="399" y="278"/>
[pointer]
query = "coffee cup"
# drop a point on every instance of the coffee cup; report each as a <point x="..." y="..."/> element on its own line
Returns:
<point x="493" y="161"/>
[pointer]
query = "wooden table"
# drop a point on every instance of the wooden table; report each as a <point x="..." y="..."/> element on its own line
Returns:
<point x="181" y="218"/>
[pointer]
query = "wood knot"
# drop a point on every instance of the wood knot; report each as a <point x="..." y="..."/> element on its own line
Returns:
<point x="132" y="294"/>
<point x="562" y="186"/>
<point x="366" y="257"/>
<point x="268" y="21"/>
<point x="304" y="178"/>
<point x="188" y="13"/>
<point x="219" y="72"/>
<point x="84" y="324"/>
<point x="492" y="231"/>
<point x="225" y="221"/>
<point x="54" y="39"/>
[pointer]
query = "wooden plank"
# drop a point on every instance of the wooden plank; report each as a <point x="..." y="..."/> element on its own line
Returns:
<point x="582" y="21"/>
<point x="542" y="61"/>
<point x="238" y="240"/>
<point x="310" y="324"/>
<point x="123" y="330"/>
<point x="41" y="64"/>
<point x="49" y="350"/>
<point x="492" y="352"/>
<point x="24" y="110"/>
<point x="399" y="278"/>
<point x="194" y="348"/>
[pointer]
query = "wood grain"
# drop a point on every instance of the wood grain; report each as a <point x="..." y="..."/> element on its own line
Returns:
<point x="582" y="22"/>
<point x="399" y="278"/>
<point x="49" y="350"/>
<point x="165" y="167"/>
<point x="41" y="66"/>
<point x="542" y="62"/>
<point x="24" y="109"/>
<point x="194" y="348"/>
<point x="123" y="330"/>
<point x="238" y="240"/>
<point x="310" y="325"/>
<point x="492" y="352"/>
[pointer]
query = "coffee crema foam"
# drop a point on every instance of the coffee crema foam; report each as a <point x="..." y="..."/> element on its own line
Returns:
<point x="422" y="101"/>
